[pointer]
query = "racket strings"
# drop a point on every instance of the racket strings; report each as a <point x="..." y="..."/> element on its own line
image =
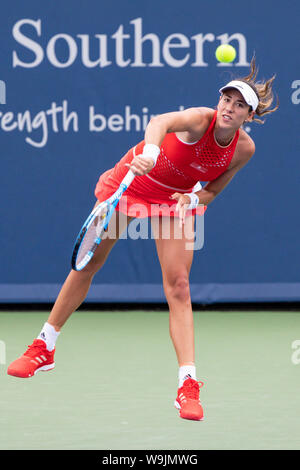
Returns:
<point x="91" y="237"/>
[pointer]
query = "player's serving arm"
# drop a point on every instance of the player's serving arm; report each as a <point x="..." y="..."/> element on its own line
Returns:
<point x="179" y="150"/>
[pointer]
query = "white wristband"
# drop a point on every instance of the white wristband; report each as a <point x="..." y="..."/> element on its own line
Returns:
<point x="194" y="200"/>
<point x="151" y="151"/>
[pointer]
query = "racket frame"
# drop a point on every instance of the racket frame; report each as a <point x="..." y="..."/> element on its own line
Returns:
<point x="112" y="203"/>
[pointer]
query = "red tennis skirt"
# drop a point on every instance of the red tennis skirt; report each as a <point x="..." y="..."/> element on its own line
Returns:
<point x="145" y="197"/>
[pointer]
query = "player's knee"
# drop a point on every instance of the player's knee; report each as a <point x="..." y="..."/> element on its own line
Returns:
<point x="91" y="268"/>
<point x="178" y="288"/>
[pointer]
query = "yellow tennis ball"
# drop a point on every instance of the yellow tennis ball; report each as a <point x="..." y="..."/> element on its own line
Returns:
<point x="225" y="53"/>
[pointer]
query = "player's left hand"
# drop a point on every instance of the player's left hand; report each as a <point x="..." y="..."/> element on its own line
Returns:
<point x="183" y="201"/>
<point x="140" y="165"/>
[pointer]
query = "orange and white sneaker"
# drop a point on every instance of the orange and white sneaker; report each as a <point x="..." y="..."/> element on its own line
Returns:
<point x="188" y="401"/>
<point x="36" y="358"/>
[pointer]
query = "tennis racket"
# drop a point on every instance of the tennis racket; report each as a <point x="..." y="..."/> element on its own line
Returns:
<point x="92" y="230"/>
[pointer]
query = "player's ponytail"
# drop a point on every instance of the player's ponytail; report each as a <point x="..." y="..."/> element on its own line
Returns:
<point x="263" y="90"/>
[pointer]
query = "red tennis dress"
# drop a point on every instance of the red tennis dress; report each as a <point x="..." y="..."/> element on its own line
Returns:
<point x="179" y="168"/>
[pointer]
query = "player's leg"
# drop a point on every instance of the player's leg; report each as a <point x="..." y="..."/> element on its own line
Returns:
<point x="77" y="284"/>
<point x="40" y="355"/>
<point x="175" y="254"/>
<point x="176" y="261"/>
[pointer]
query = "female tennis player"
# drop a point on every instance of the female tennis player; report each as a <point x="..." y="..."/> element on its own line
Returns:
<point x="179" y="150"/>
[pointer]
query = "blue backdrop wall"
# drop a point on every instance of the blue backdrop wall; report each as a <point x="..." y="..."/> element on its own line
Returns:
<point x="79" y="81"/>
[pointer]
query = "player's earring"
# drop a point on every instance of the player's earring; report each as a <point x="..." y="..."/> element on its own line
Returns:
<point x="249" y="119"/>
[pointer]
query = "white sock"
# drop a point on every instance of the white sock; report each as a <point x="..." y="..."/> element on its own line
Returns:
<point x="186" y="372"/>
<point x="49" y="335"/>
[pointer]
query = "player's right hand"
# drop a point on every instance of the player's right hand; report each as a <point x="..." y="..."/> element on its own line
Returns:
<point x="140" y="165"/>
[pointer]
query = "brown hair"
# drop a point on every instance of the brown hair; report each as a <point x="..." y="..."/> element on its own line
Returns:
<point x="263" y="90"/>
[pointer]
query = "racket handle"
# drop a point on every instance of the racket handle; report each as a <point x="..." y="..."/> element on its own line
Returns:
<point x="127" y="180"/>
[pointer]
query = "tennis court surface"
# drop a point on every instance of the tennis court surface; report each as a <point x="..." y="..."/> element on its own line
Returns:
<point x="115" y="382"/>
